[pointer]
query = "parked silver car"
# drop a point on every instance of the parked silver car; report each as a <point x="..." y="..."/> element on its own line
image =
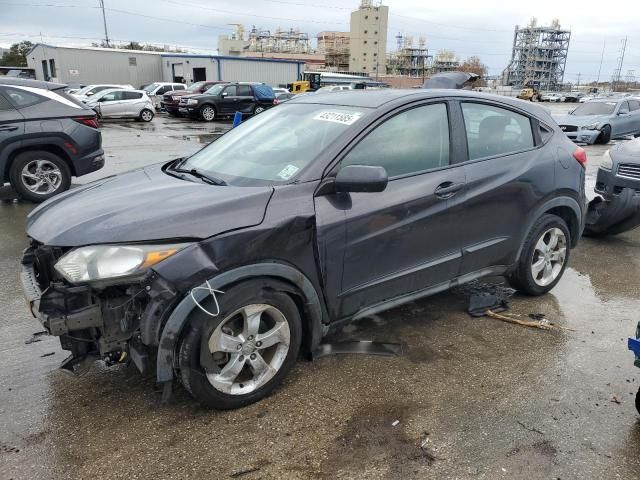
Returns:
<point x="122" y="103"/>
<point x="86" y="92"/>
<point x="599" y="121"/>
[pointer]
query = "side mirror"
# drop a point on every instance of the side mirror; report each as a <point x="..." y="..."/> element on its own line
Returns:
<point x="623" y="113"/>
<point x="224" y="94"/>
<point x="361" y="178"/>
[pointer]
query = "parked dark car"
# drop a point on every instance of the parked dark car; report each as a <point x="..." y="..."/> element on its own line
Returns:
<point x="171" y="100"/>
<point x="226" y="99"/>
<point x="331" y="207"/>
<point x="46" y="137"/>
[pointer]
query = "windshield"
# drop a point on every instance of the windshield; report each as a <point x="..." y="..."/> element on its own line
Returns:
<point x="84" y="90"/>
<point x="595" y="108"/>
<point x="195" y="87"/>
<point x="215" y="90"/>
<point x="151" y="88"/>
<point x="276" y="145"/>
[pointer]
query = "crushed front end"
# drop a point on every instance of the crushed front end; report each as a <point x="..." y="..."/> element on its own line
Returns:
<point x="113" y="321"/>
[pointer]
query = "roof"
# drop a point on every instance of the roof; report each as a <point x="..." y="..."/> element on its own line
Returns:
<point x="24" y="82"/>
<point x="98" y="49"/>
<point x="378" y="98"/>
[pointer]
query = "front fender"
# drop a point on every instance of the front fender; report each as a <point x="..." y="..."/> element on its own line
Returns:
<point x="179" y="317"/>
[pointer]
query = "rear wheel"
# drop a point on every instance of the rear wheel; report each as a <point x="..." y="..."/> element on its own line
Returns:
<point x="146" y="115"/>
<point x="39" y="175"/>
<point x="543" y="258"/>
<point x="208" y="113"/>
<point x="605" y="135"/>
<point x="245" y="352"/>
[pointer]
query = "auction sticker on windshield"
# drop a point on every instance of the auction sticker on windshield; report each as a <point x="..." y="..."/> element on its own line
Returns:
<point x="287" y="172"/>
<point x="336" y="116"/>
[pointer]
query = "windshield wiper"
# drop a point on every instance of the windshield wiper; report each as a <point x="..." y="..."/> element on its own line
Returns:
<point x="203" y="176"/>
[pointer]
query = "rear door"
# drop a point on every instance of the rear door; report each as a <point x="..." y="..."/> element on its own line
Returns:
<point x="508" y="172"/>
<point x="11" y="123"/>
<point x="246" y="100"/>
<point x="403" y="239"/>
<point x="132" y="103"/>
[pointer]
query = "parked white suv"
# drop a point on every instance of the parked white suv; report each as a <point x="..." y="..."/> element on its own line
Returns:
<point x="158" y="89"/>
<point x="84" y="93"/>
<point x="123" y="103"/>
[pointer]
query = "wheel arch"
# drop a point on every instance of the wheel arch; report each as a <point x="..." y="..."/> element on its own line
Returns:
<point x="26" y="146"/>
<point x="302" y="292"/>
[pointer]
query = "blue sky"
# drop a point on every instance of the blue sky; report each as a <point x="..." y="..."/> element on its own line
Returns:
<point x="483" y="28"/>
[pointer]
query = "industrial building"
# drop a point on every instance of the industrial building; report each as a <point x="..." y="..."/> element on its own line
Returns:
<point x="108" y="65"/>
<point x="335" y="48"/>
<point x="539" y="56"/>
<point x="408" y="60"/>
<point x="368" y="38"/>
<point x="445" y="61"/>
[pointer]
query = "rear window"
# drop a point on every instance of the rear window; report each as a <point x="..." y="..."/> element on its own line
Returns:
<point x="4" y="104"/>
<point x="21" y="98"/>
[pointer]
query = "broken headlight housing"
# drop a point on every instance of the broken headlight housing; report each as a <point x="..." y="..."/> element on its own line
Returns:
<point x="607" y="163"/>
<point x="591" y="126"/>
<point x="108" y="262"/>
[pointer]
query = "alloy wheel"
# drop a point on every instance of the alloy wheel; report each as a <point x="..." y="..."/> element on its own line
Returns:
<point x="146" y="115"/>
<point x="549" y="256"/>
<point x="208" y="113"/>
<point x="249" y="346"/>
<point x="41" y="177"/>
<point x="258" y="110"/>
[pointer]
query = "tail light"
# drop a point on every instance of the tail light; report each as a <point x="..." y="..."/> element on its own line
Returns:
<point x="88" y="121"/>
<point x="275" y="101"/>
<point x="581" y="156"/>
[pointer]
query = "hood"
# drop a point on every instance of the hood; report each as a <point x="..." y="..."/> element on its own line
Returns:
<point x="579" y="121"/>
<point x="627" y="151"/>
<point x="145" y="205"/>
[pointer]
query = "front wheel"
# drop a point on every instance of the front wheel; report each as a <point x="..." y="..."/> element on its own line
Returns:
<point x="544" y="256"/>
<point x="208" y="113"/>
<point x="39" y="175"/>
<point x="146" y="115"/>
<point x="241" y="355"/>
<point x="605" y="135"/>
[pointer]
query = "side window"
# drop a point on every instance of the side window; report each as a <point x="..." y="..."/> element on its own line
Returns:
<point x="131" y="95"/>
<point x="22" y="98"/>
<point x="4" y="104"/>
<point x="245" y="91"/>
<point x="113" y="96"/>
<point x="495" y="131"/>
<point x="624" y="107"/>
<point x="178" y="87"/>
<point x="634" y="105"/>
<point x="231" y="91"/>
<point x="412" y="141"/>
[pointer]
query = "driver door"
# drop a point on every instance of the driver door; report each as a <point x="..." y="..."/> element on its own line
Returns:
<point x="377" y="246"/>
<point x="230" y="100"/>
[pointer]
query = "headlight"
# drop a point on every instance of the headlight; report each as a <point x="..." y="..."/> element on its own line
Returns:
<point x="103" y="262"/>
<point x="175" y="99"/>
<point x="592" y="126"/>
<point x="192" y="101"/>
<point x="607" y="163"/>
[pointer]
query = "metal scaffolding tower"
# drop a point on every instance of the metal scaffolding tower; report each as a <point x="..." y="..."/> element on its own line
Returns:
<point x="409" y="60"/>
<point x="539" y="56"/>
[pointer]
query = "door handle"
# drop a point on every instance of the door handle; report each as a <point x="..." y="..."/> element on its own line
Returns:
<point x="8" y="128"/>
<point x="447" y="189"/>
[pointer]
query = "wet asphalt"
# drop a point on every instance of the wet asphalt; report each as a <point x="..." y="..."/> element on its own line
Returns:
<point x="473" y="397"/>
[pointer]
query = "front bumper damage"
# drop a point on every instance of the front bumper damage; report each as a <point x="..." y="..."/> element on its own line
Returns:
<point x="617" y="209"/>
<point x="583" y="136"/>
<point x="112" y="323"/>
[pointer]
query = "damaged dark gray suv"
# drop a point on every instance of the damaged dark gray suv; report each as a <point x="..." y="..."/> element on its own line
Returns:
<point x="224" y="266"/>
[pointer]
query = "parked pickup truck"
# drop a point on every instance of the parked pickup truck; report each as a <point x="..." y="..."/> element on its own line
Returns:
<point x="171" y="100"/>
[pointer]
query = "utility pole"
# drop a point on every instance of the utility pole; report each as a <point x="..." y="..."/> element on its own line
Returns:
<point x="604" y="43"/>
<point x="104" y="20"/>
<point x="578" y="81"/>
<point x="618" y="70"/>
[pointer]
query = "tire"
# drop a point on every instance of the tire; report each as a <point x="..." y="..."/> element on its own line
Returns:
<point x="523" y="278"/>
<point x="638" y="401"/>
<point x="206" y="383"/>
<point x="605" y="135"/>
<point x="208" y="113"/>
<point x="30" y="168"/>
<point x="146" y="115"/>
<point x="258" y="109"/>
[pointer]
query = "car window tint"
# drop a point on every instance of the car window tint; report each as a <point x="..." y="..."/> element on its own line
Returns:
<point x="131" y="95"/>
<point x="634" y="105"/>
<point x="22" y="98"/>
<point x="231" y="91"/>
<point x="412" y="141"/>
<point x="4" y="104"/>
<point x="495" y="131"/>
<point x="245" y="91"/>
<point x="179" y="87"/>
<point x="624" y="107"/>
<point x="112" y="96"/>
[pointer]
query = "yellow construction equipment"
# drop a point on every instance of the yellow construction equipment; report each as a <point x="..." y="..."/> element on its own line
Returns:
<point x="307" y="82"/>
